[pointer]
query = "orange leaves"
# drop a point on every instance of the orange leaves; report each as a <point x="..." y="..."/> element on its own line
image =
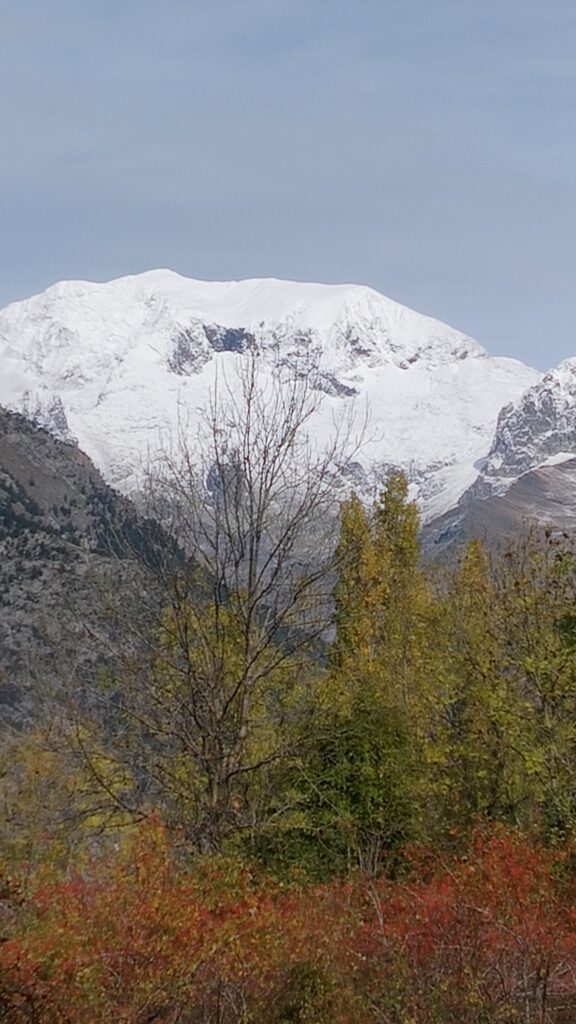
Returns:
<point x="142" y="937"/>
<point x="489" y="932"/>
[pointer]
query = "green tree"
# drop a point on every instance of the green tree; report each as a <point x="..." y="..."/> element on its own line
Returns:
<point x="363" y="777"/>
<point x="476" y="725"/>
<point x="537" y="585"/>
<point x="381" y="597"/>
<point x="505" y="733"/>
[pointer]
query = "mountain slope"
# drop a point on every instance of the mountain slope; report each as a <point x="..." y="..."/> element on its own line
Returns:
<point x="539" y="428"/>
<point x="120" y="366"/>
<point x="544" y="498"/>
<point x="67" y="544"/>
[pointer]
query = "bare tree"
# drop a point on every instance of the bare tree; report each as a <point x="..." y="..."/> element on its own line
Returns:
<point x="251" y="500"/>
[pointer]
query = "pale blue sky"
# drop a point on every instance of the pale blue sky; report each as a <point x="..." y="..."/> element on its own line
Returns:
<point x="424" y="147"/>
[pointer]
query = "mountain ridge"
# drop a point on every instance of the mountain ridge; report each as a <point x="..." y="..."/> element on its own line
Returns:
<point x="113" y="365"/>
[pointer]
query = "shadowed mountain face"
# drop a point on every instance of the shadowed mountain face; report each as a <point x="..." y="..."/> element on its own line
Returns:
<point x="545" y="497"/>
<point x="68" y="543"/>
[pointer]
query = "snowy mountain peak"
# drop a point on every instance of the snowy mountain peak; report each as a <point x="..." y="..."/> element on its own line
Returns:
<point x="113" y="365"/>
<point x="343" y="317"/>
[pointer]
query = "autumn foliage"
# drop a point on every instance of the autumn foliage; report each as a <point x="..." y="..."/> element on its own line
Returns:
<point x="140" y="937"/>
<point x="490" y="937"/>
<point x="379" y="832"/>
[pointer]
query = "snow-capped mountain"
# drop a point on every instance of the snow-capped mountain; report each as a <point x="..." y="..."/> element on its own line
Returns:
<point x="119" y="366"/>
<point x="537" y="430"/>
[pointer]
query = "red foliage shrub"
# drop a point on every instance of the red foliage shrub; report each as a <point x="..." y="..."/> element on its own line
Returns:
<point x="143" y="940"/>
<point x="490" y="937"/>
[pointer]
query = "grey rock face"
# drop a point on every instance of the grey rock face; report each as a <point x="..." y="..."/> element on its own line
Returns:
<point x="47" y="411"/>
<point x="193" y="346"/>
<point x="540" y="426"/>
<point x="67" y="540"/>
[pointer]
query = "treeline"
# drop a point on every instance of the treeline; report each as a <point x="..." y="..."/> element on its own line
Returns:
<point x="444" y="696"/>
<point x="391" y="837"/>
<point x="328" y="784"/>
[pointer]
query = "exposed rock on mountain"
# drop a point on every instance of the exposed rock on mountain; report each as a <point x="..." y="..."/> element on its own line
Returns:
<point x="543" y="498"/>
<point x="539" y="428"/>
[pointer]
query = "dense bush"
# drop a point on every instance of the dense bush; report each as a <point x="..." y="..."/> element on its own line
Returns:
<point x="488" y="937"/>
